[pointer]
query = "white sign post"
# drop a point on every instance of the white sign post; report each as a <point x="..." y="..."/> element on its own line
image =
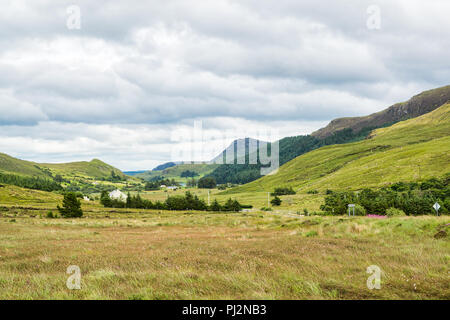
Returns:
<point x="436" y="207"/>
<point x="351" y="206"/>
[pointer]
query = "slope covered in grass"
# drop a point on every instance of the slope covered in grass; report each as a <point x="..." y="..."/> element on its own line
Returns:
<point x="12" y="195"/>
<point x="410" y="150"/>
<point x="94" y="169"/>
<point x="10" y="164"/>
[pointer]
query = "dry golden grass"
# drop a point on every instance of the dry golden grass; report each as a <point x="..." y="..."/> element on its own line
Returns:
<point x="152" y="255"/>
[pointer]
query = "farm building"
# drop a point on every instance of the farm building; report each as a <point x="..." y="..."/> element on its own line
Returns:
<point x="118" y="195"/>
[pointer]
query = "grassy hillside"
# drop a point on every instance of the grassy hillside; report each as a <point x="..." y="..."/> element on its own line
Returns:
<point x="12" y="195"/>
<point x="175" y="172"/>
<point x="9" y="164"/>
<point x="94" y="169"/>
<point x="414" y="149"/>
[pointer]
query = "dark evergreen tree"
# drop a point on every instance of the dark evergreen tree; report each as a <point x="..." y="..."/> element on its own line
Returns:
<point x="71" y="206"/>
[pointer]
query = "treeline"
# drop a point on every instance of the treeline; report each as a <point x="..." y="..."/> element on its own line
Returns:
<point x="156" y="184"/>
<point x="282" y="191"/>
<point x="412" y="198"/>
<point x="289" y="148"/>
<point x="186" y="202"/>
<point x="188" y="174"/>
<point x="30" y="182"/>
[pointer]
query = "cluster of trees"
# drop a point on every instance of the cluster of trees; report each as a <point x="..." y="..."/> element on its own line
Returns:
<point x="156" y="184"/>
<point x="282" y="191"/>
<point x="188" y="174"/>
<point x="207" y="183"/>
<point x="30" y="182"/>
<point x="88" y="188"/>
<point x="289" y="148"/>
<point x="114" y="177"/>
<point x="412" y="198"/>
<point x="186" y="202"/>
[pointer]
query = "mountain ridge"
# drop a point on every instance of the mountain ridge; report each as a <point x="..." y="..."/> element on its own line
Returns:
<point x="418" y="105"/>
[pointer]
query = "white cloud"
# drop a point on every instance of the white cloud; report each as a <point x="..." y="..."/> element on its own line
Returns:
<point x="137" y="70"/>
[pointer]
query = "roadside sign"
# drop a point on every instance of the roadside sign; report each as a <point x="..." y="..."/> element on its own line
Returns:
<point x="351" y="206"/>
<point x="436" y="207"/>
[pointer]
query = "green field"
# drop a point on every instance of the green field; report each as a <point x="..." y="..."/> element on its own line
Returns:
<point x="131" y="254"/>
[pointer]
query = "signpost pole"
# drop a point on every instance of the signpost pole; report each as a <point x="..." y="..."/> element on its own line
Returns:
<point x="436" y="207"/>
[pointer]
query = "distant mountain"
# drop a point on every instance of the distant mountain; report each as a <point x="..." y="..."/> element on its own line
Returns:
<point x="133" y="173"/>
<point x="416" y="106"/>
<point x="175" y="172"/>
<point x="164" y="166"/>
<point x="248" y="144"/>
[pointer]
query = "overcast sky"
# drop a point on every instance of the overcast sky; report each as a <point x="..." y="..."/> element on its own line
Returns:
<point x="136" y="72"/>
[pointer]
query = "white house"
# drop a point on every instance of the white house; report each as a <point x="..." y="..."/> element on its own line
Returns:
<point x="172" y="188"/>
<point x="86" y="198"/>
<point x="118" y="195"/>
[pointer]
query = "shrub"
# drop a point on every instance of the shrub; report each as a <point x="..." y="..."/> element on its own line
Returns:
<point x="50" y="215"/>
<point x="359" y="210"/>
<point x="275" y="201"/>
<point x="312" y="192"/>
<point x="283" y="191"/>
<point x="311" y="233"/>
<point x="394" y="212"/>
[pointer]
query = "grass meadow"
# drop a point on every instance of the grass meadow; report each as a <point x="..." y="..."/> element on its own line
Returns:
<point x="142" y="254"/>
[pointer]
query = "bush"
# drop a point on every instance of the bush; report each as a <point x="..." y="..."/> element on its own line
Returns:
<point x="359" y="210"/>
<point x="283" y="191"/>
<point x="50" y="215"/>
<point x="207" y="183"/>
<point x="275" y="201"/>
<point x="394" y="212"/>
<point x="71" y="206"/>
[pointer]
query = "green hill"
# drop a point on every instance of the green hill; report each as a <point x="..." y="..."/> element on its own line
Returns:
<point x="95" y="169"/>
<point x="342" y="130"/>
<point x="175" y="172"/>
<point x="410" y="150"/>
<point x="9" y="164"/>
